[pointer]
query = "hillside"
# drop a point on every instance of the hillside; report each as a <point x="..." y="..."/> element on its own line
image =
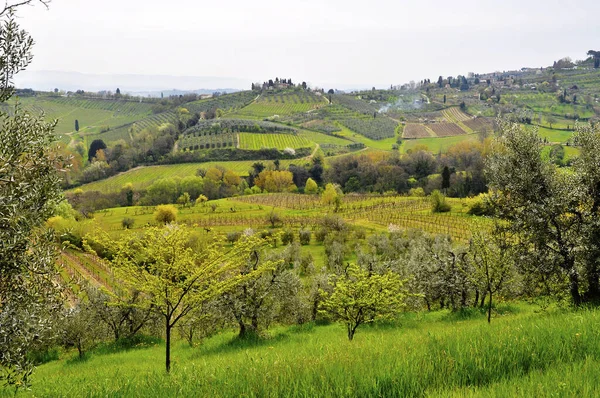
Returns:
<point x="241" y="126"/>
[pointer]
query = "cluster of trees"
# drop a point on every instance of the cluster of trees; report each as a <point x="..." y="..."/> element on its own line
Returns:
<point x="463" y="165"/>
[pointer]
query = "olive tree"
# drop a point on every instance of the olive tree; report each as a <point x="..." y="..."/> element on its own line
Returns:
<point x="29" y="193"/>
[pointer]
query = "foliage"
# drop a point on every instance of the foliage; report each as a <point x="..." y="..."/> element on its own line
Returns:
<point x="438" y="202"/>
<point x="174" y="278"/>
<point x="165" y="214"/>
<point x="360" y="296"/>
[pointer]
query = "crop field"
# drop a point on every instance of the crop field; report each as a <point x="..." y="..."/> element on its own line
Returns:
<point x="444" y="129"/>
<point x="199" y="141"/>
<point x="122" y="133"/>
<point x="414" y="130"/>
<point x="279" y="141"/>
<point x="480" y="125"/>
<point x="269" y="105"/>
<point x="455" y="115"/>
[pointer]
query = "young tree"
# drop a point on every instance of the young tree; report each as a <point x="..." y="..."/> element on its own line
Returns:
<point x="174" y="278"/>
<point x="360" y="296"/>
<point x="492" y="259"/>
<point x="29" y="194"/>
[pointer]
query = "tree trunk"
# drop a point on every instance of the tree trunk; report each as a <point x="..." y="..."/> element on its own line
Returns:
<point x="242" y="333"/>
<point x="593" y="278"/>
<point x="482" y="301"/>
<point x="168" y="347"/>
<point x="476" y="298"/>
<point x="574" y="286"/>
<point x="490" y="308"/>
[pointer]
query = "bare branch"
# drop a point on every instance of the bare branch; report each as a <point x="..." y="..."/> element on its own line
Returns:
<point x="12" y="6"/>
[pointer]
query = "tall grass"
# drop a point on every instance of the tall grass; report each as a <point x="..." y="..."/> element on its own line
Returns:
<point x="422" y="354"/>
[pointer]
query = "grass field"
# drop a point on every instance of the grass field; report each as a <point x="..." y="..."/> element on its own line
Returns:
<point x="279" y="141"/>
<point x="522" y="353"/>
<point x="559" y="136"/>
<point x="437" y="145"/>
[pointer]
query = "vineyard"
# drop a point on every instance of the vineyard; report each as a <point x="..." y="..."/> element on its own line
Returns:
<point x="139" y="125"/>
<point x="480" y="125"/>
<point x="227" y="103"/>
<point x="455" y="115"/>
<point x="355" y="105"/>
<point x="93" y="115"/>
<point x="279" y="141"/>
<point x="282" y="104"/>
<point x="413" y="130"/>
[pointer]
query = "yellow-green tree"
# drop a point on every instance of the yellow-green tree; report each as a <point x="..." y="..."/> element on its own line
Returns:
<point x="311" y="187"/>
<point x="332" y="196"/>
<point x="174" y="278"/>
<point x="360" y="296"/>
<point x="165" y="214"/>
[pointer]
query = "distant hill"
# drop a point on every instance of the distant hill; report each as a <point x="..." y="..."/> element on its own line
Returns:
<point x="133" y="84"/>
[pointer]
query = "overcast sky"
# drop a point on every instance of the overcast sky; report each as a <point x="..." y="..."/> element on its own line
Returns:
<point x="325" y="42"/>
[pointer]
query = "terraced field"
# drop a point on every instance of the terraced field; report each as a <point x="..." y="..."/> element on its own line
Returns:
<point x="279" y="141"/>
<point x="269" y="105"/>
<point x="414" y="130"/>
<point x="480" y="125"/>
<point x="445" y="129"/>
<point x="455" y="115"/>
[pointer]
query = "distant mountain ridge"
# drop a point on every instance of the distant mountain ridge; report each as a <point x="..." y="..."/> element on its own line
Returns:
<point x="152" y="85"/>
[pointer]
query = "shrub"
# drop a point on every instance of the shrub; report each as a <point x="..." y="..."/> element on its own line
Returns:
<point x="305" y="235"/>
<point x="127" y="223"/>
<point x="478" y="206"/>
<point x="233" y="237"/>
<point x="201" y="200"/>
<point x="418" y="192"/>
<point x="321" y="234"/>
<point x="287" y="237"/>
<point x="165" y="214"/>
<point x="438" y="202"/>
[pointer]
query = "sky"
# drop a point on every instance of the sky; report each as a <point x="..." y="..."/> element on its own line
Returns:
<point x="328" y="43"/>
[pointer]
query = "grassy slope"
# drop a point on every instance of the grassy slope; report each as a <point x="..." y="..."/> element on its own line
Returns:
<point x="435" y="354"/>
<point x="435" y="144"/>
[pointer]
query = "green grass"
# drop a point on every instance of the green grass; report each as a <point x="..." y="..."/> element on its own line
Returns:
<point x="279" y="141"/>
<point x="522" y="353"/>
<point x="321" y="138"/>
<point x="559" y="136"/>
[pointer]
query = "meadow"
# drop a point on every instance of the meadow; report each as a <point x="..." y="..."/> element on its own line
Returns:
<point x="523" y="352"/>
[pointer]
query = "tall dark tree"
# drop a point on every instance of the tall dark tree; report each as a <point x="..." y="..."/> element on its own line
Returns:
<point x="95" y="146"/>
<point x="76" y="125"/>
<point x="445" y="178"/>
<point x="118" y="91"/>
